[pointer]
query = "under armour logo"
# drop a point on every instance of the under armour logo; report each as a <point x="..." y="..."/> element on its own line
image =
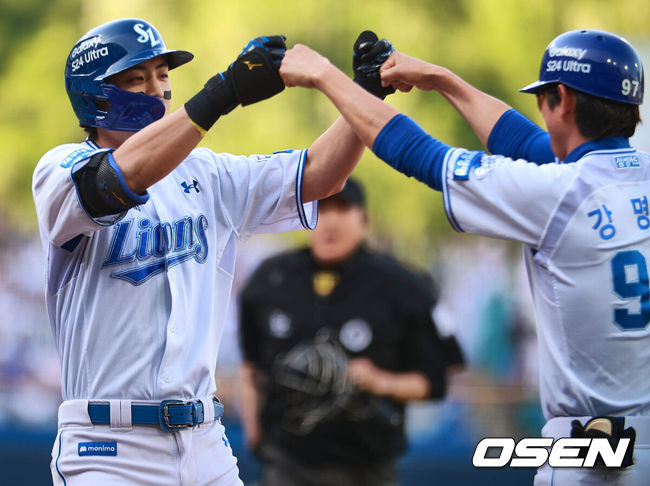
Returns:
<point x="186" y="187"/>
<point x="251" y="65"/>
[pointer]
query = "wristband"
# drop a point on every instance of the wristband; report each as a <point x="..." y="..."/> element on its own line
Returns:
<point x="215" y="99"/>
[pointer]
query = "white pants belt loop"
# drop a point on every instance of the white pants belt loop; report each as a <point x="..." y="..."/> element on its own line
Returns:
<point x="208" y="411"/>
<point x="121" y="415"/>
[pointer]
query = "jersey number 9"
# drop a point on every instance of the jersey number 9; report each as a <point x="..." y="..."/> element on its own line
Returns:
<point x="630" y="280"/>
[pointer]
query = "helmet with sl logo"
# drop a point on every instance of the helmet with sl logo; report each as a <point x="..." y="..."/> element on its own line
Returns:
<point x="595" y="62"/>
<point x="104" y="51"/>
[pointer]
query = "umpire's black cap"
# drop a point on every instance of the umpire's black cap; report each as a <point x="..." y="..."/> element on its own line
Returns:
<point x="352" y="193"/>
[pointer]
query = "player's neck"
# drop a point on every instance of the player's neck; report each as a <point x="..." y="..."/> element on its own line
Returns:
<point x="568" y="144"/>
<point x="111" y="138"/>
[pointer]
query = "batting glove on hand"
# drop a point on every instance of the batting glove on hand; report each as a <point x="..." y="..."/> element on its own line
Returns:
<point x="254" y="76"/>
<point x="368" y="56"/>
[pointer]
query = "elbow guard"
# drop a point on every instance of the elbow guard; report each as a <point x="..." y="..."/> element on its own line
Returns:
<point x="102" y="188"/>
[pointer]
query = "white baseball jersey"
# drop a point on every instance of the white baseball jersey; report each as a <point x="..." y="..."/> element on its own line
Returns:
<point x="586" y="230"/>
<point x="137" y="300"/>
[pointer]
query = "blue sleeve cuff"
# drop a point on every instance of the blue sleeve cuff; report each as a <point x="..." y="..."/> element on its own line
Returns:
<point x="515" y="136"/>
<point x="403" y="145"/>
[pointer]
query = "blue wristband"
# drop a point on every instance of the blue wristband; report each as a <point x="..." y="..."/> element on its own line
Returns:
<point x="403" y="145"/>
<point x="515" y="136"/>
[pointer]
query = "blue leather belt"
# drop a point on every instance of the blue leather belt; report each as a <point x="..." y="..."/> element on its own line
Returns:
<point x="170" y="415"/>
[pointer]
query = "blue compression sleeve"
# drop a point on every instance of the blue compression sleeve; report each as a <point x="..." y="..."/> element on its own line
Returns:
<point x="403" y="145"/>
<point x="515" y="136"/>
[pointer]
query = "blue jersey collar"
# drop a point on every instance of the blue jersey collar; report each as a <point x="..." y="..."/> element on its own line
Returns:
<point x="607" y="143"/>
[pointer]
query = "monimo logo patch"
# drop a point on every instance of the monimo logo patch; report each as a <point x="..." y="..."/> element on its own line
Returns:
<point x="97" y="448"/>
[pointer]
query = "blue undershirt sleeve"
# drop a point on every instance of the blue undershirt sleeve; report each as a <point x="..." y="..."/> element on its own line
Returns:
<point x="515" y="136"/>
<point x="403" y="145"/>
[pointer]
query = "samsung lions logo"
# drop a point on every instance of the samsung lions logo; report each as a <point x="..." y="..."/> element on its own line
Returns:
<point x="155" y="248"/>
<point x="146" y="35"/>
<point x="77" y="155"/>
<point x="464" y="163"/>
<point x="484" y="165"/>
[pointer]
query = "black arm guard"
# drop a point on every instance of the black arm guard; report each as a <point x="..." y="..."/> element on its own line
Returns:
<point x="102" y="189"/>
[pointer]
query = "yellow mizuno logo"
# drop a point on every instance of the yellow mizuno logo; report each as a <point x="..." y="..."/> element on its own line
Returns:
<point x="251" y="65"/>
<point x="118" y="198"/>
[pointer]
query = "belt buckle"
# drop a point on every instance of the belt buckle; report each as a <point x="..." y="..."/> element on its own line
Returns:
<point x="164" y="416"/>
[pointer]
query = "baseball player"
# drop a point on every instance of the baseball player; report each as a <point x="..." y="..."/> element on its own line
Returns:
<point x="584" y="225"/>
<point x="139" y="232"/>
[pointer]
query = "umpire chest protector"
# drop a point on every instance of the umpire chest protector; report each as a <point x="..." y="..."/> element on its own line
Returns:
<point x="372" y="307"/>
<point x="359" y="305"/>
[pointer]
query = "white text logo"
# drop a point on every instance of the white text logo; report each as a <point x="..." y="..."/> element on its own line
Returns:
<point x="567" y="52"/>
<point x="534" y="452"/>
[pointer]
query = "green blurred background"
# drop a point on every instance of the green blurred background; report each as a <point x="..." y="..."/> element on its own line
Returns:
<point x="496" y="45"/>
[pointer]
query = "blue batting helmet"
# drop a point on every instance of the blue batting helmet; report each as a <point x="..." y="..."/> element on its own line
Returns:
<point x="595" y="62"/>
<point x="107" y="50"/>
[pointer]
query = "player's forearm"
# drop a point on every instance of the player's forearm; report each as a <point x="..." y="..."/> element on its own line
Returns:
<point x="365" y="113"/>
<point x="481" y="110"/>
<point x="398" y="386"/>
<point x="156" y="150"/>
<point x="404" y="387"/>
<point x="330" y="160"/>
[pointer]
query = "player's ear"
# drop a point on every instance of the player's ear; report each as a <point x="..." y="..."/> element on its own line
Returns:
<point x="567" y="103"/>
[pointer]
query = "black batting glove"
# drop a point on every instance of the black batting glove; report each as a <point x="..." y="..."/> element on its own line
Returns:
<point x="605" y="427"/>
<point x="253" y="77"/>
<point x="368" y="55"/>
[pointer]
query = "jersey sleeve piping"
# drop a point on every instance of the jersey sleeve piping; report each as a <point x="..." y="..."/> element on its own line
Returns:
<point x="299" y="203"/>
<point x="445" y="194"/>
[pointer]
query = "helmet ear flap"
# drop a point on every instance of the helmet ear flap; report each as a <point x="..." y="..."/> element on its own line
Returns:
<point x="107" y="50"/>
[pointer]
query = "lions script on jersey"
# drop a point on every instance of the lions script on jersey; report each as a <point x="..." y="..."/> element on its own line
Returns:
<point x="146" y="291"/>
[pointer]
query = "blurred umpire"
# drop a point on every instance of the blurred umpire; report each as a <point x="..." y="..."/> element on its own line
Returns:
<point x="336" y="340"/>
